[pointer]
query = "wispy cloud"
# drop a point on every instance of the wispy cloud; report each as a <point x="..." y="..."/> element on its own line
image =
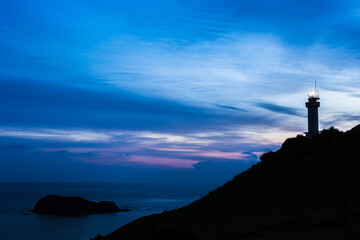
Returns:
<point x="168" y="138"/>
<point x="129" y="147"/>
<point x="160" y="161"/>
<point x="234" y="70"/>
<point x="172" y="83"/>
<point x="56" y="135"/>
<point x="280" y="109"/>
<point x="231" y="108"/>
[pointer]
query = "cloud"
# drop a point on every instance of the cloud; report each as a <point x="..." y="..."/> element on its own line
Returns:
<point x="59" y="166"/>
<point x="56" y="135"/>
<point x="171" y="138"/>
<point x="165" y="162"/>
<point x="172" y="81"/>
<point x="341" y="121"/>
<point x="232" y="108"/>
<point x="216" y="155"/>
<point x="27" y="103"/>
<point x="234" y="70"/>
<point x="280" y="109"/>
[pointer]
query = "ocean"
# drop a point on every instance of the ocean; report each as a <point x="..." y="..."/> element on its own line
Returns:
<point x="17" y="199"/>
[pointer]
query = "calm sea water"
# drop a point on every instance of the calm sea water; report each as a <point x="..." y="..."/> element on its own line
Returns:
<point x="143" y="199"/>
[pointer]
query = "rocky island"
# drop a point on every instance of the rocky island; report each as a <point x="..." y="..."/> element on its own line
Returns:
<point x="73" y="206"/>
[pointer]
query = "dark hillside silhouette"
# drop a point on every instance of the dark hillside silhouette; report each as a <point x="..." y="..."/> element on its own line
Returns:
<point x="308" y="189"/>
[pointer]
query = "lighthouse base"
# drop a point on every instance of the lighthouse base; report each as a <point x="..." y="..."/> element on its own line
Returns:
<point x="311" y="134"/>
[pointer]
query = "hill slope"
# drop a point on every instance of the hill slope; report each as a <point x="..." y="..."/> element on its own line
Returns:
<point x="308" y="189"/>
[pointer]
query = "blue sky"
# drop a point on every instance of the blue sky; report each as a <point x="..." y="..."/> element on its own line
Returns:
<point x="167" y="90"/>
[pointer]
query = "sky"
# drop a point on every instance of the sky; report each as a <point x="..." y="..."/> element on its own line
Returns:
<point x="167" y="91"/>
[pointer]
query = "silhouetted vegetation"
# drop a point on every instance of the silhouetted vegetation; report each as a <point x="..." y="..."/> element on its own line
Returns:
<point x="98" y="237"/>
<point x="308" y="189"/>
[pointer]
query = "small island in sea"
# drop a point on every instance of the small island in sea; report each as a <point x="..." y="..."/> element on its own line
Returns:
<point x="74" y="206"/>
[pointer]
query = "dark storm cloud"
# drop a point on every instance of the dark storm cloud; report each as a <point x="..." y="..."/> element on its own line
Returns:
<point x="280" y="109"/>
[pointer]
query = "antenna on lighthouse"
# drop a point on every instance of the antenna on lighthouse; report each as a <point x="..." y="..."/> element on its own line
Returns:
<point x="314" y="93"/>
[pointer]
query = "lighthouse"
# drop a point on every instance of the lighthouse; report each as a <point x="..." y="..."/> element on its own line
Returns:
<point x="313" y="117"/>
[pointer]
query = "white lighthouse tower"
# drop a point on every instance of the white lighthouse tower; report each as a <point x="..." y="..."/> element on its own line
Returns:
<point x="313" y="117"/>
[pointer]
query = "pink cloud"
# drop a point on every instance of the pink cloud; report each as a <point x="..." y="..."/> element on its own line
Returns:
<point x="175" y="149"/>
<point x="111" y="157"/>
<point x="218" y="154"/>
<point x="204" y="153"/>
<point x="170" y="162"/>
